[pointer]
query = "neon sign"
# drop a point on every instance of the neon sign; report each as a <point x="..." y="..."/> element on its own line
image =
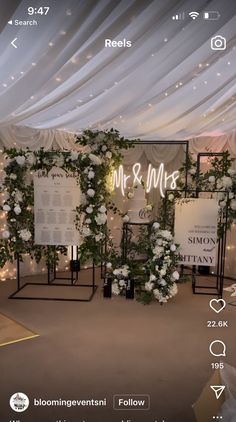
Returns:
<point x="156" y="178"/>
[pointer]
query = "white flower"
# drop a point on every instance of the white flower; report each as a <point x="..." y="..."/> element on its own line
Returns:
<point x="226" y="181"/>
<point x="17" y="210"/>
<point x="166" y="234"/>
<point x="101" y="219"/>
<point x="158" y="296"/>
<point x="89" y="210"/>
<point x="59" y="160"/>
<point x="148" y="207"/>
<point x="173" y="290"/>
<point x="20" y="159"/>
<point x="86" y="231"/>
<point x="231" y="195"/>
<point x="99" y="237"/>
<point x="171" y="197"/>
<point x="192" y="171"/>
<point x="149" y="286"/>
<point x="88" y="221"/>
<point x="95" y="159"/>
<point x="163" y="272"/>
<point x="115" y="289"/>
<point x="126" y="218"/>
<point x="175" y="275"/>
<point x="233" y="204"/>
<point x="25" y="235"/>
<point x="173" y="247"/>
<point x="18" y="196"/>
<point x="30" y="157"/>
<point x="130" y="195"/>
<point x="100" y="137"/>
<point x="5" y="234"/>
<point x="232" y="172"/>
<point x="156" y="225"/>
<point x="108" y="155"/>
<point x="212" y="179"/>
<point x="158" y="250"/>
<point x="163" y="282"/>
<point x="91" y="193"/>
<point x="74" y="155"/>
<point x="122" y="283"/>
<point x="91" y="174"/>
<point x="159" y="242"/>
<point x="222" y="204"/>
<point x="6" y="208"/>
<point x="102" y="209"/>
<point x="13" y="176"/>
<point x="152" y="277"/>
<point x="109" y="265"/>
<point x="104" y="148"/>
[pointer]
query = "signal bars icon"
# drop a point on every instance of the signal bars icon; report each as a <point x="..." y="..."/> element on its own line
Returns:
<point x="178" y="17"/>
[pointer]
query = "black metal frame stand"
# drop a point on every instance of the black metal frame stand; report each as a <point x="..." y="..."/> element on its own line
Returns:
<point x="50" y="282"/>
<point x="219" y="276"/>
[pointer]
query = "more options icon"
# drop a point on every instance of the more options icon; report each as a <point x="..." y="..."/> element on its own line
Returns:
<point x="218" y="43"/>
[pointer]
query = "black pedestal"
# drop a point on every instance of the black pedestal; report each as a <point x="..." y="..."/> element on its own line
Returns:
<point x="130" y="289"/>
<point x="107" y="292"/>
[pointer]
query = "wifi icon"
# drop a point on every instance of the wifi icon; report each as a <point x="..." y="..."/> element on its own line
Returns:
<point x="194" y="15"/>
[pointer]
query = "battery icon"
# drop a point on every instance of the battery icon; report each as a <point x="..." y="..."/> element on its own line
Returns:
<point x="211" y="16"/>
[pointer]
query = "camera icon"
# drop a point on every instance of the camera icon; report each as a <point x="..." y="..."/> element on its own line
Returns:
<point x="218" y="43"/>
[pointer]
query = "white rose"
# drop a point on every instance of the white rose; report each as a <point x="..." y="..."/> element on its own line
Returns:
<point x="231" y="195"/>
<point x="18" y="196"/>
<point x="6" y="208"/>
<point x="104" y="148"/>
<point x="91" y="193"/>
<point x="5" y="234"/>
<point x="91" y="174"/>
<point x="115" y="289"/>
<point x="17" y="210"/>
<point x="163" y="272"/>
<point x="109" y="154"/>
<point x="175" y="275"/>
<point x="102" y="209"/>
<point x="171" y="197"/>
<point x="109" y="265"/>
<point x="163" y="282"/>
<point x="122" y="283"/>
<point x="226" y="181"/>
<point x="166" y="234"/>
<point x="101" y="219"/>
<point x="89" y="210"/>
<point x="95" y="159"/>
<point x="74" y="155"/>
<point x="173" y="290"/>
<point x="149" y="286"/>
<point x="173" y="247"/>
<point x="13" y="176"/>
<point x="20" y="159"/>
<point x="156" y="226"/>
<point x="192" y="171"/>
<point x="212" y="179"/>
<point x="25" y="234"/>
<point x="98" y="237"/>
<point x="59" y="161"/>
<point x="148" y="207"/>
<point x="152" y="277"/>
<point x="157" y="267"/>
<point x="86" y="231"/>
<point x="88" y="221"/>
<point x="126" y="218"/>
<point x="233" y="204"/>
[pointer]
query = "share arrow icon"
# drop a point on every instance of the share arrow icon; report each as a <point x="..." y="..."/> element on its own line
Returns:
<point x="218" y="390"/>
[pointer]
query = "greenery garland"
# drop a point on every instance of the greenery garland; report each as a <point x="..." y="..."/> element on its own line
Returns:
<point x="92" y="170"/>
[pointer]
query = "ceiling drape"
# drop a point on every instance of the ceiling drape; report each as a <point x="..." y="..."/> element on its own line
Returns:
<point x="168" y="85"/>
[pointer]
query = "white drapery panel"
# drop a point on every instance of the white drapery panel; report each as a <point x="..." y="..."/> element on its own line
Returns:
<point x="168" y="85"/>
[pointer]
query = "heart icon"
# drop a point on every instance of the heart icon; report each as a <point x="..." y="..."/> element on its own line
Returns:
<point x="217" y="305"/>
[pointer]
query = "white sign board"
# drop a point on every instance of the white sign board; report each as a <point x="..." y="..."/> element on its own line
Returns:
<point x="196" y="231"/>
<point x="56" y="195"/>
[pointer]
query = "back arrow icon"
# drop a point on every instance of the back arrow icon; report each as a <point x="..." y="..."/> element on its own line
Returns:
<point x="12" y="43"/>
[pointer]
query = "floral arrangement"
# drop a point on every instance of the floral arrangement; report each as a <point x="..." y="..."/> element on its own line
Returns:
<point x="221" y="176"/>
<point x="160" y="267"/>
<point x="91" y="168"/>
<point x="120" y="279"/>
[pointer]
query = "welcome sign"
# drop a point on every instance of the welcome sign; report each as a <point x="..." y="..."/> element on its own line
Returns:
<point x="196" y="231"/>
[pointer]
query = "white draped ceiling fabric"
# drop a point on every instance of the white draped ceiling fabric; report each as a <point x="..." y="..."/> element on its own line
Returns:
<point x="168" y="85"/>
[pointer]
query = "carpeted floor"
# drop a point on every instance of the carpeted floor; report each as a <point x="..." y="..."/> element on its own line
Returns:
<point x="107" y="347"/>
<point x="13" y="332"/>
